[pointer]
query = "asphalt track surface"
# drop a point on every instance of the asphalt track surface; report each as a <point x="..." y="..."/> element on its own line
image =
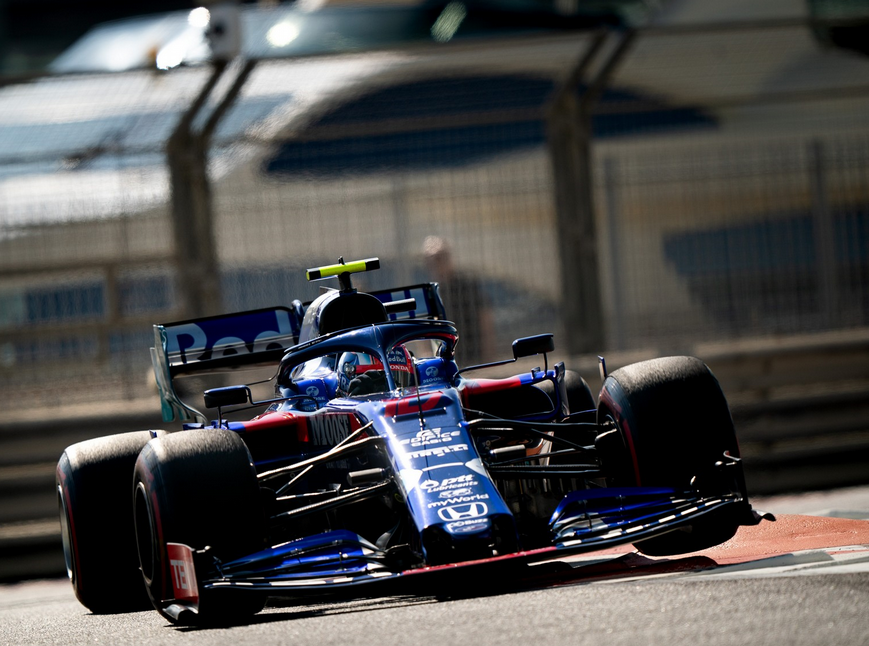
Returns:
<point x="801" y="580"/>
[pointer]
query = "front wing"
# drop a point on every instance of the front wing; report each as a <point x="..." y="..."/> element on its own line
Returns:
<point x="585" y="521"/>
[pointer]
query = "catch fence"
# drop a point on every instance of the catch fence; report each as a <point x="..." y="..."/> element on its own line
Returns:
<point x="730" y="174"/>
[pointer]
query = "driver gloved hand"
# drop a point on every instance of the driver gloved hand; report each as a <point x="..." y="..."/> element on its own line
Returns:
<point x="373" y="381"/>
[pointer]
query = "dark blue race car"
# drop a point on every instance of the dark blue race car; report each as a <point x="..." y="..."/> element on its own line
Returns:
<point x="381" y="466"/>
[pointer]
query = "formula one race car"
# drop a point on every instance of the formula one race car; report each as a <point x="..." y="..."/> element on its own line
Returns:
<point x="380" y="464"/>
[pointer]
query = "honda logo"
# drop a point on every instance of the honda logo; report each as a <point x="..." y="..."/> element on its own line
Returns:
<point x="463" y="512"/>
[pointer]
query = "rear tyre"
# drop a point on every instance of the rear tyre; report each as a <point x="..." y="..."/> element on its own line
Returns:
<point x="671" y="424"/>
<point x="579" y="396"/>
<point x="96" y="519"/>
<point x="198" y="488"/>
<point x="579" y="399"/>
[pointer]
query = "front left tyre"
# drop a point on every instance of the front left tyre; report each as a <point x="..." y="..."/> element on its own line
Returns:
<point x="96" y="518"/>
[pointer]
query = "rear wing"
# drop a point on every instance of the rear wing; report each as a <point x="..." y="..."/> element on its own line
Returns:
<point x="428" y="302"/>
<point x="253" y="338"/>
<point x="216" y="343"/>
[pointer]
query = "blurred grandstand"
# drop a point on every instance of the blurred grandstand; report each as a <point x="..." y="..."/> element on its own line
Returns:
<point x="730" y="156"/>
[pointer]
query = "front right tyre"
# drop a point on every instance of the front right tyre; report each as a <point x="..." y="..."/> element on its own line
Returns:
<point x="670" y="426"/>
<point x="198" y="488"/>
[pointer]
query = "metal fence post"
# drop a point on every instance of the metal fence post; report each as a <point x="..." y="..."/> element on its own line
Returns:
<point x="195" y="260"/>
<point x="570" y="133"/>
<point x="617" y="325"/>
<point x="192" y="216"/>
<point x="824" y="238"/>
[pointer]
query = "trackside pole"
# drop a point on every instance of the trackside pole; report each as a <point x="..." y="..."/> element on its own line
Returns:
<point x="570" y="134"/>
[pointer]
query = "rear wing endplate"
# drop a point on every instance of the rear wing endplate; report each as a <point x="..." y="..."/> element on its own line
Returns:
<point x="428" y="302"/>
<point x="216" y="343"/>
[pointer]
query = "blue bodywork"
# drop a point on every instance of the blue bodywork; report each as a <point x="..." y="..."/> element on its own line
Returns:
<point x="444" y="470"/>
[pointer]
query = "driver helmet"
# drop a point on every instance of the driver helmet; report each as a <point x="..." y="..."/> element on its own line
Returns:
<point x="354" y="364"/>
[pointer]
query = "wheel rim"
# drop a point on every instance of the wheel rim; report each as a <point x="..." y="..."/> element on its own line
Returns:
<point x="66" y="536"/>
<point x="144" y="532"/>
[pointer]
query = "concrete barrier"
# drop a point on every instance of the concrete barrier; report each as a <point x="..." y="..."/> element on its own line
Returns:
<point x="30" y="445"/>
<point x="800" y="405"/>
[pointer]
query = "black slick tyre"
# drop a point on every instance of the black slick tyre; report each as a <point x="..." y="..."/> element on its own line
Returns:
<point x="93" y="481"/>
<point x="669" y="425"/>
<point x="198" y="488"/>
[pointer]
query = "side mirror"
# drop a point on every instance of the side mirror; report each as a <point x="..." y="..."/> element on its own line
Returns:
<point x="528" y="346"/>
<point x="227" y="396"/>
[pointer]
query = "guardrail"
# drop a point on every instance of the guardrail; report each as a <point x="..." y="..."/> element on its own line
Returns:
<point x="30" y="544"/>
<point x="801" y="408"/>
<point x="800" y="404"/>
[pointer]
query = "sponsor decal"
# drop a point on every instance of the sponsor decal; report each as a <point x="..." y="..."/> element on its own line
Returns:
<point x="448" y="485"/>
<point x="463" y="512"/>
<point x="182" y="572"/>
<point x="180" y="578"/>
<point x="434" y="436"/>
<point x="467" y="526"/>
<point x="315" y="388"/>
<point x="431" y="371"/>
<point x="454" y="500"/>
<point x="412" y="405"/>
<point x="328" y="430"/>
<point x="217" y="338"/>
<point x="467" y="491"/>
<point x="438" y="451"/>
<point x="398" y="360"/>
